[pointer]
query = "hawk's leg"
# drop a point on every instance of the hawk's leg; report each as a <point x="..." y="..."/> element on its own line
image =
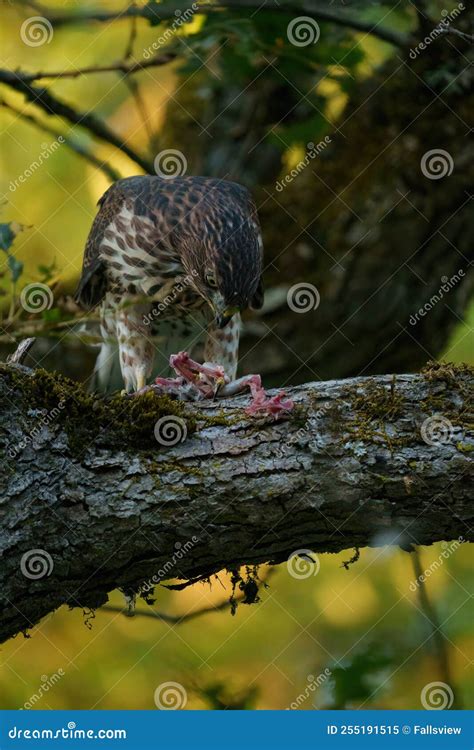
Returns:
<point x="222" y="346"/>
<point x="136" y="348"/>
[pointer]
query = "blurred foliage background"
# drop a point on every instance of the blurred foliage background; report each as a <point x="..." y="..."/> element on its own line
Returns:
<point x="239" y="100"/>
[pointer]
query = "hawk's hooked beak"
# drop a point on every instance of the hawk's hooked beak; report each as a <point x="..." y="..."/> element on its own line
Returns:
<point x="222" y="318"/>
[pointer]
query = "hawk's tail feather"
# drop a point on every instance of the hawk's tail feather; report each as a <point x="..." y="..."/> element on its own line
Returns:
<point x="107" y="376"/>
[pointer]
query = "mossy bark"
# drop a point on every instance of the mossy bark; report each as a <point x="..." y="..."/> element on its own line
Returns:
<point x="88" y="484"/>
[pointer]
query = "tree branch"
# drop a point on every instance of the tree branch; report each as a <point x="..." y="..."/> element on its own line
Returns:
<point x="456" y="32"/>
<point x="230" y="603"/>
<point x="437" y="636"/>
<point x="156" y="13"/>
<point x="72" y="144"/>
<point x="43" y="98"/>
<point x="92" y="499"/>
<point x="121" y="66"/>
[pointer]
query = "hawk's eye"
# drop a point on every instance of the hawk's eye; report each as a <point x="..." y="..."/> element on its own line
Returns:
<point x="211" y="280"/>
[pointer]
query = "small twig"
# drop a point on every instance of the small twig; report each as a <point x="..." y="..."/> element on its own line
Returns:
<point x="156" y="13"/>
<point x="20" y="353"/>
<point x="431" y="615"/>
<point x="457" y="32"/>
<point x="42" y="97"/>
<point x="131" y="38"/>
<point x="163" y="616"/>
<point x="120" y="66"/>
<point x="179" y="619"/>
<point x="347" y="563"/>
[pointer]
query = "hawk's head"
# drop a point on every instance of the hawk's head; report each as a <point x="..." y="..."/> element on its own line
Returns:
<point x="228" y="275"/>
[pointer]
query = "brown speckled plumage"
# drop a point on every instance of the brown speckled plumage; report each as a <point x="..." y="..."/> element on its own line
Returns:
<point x="153" y="250"/>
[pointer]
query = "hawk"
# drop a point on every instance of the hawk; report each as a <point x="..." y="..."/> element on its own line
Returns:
<point x="171" y="262"/>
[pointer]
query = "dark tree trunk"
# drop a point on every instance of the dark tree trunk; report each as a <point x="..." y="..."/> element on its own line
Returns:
<point x="362" y="222"/>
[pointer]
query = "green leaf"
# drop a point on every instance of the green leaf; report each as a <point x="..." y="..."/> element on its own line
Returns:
<point x="47" y="272"/>
<point x="7" y="236"/>
<point x="16" y="268"/>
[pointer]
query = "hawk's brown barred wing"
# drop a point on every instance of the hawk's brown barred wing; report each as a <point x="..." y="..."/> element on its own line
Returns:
<point x="169" y="219"/>
<point x="93" y="282"/>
